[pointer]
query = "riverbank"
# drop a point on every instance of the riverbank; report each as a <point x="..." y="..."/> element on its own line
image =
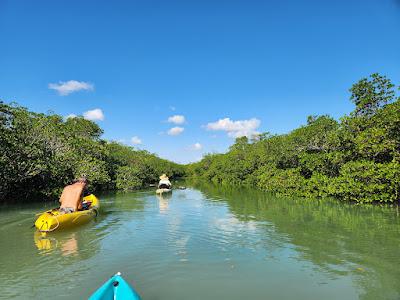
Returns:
<point x="355" y="159"/>
<point x="41" y="153"/>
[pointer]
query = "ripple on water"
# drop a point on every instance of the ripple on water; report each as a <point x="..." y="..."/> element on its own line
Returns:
<point x="212" y="244"/>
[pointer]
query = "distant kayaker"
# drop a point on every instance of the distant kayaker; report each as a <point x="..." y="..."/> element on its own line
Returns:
<point x="164" y="182"/>
<point x="71" y="197"/>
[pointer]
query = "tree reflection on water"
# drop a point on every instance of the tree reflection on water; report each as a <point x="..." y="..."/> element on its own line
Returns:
<point x="340" y="238"/>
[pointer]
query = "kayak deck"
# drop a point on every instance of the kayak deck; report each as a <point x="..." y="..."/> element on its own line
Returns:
<point x="55" y="220"/>
<point x="115" y="288"/>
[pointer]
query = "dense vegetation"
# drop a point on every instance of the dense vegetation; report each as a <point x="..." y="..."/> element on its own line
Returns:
<point x="41" y="153"/>
<point x="355" y="159"/>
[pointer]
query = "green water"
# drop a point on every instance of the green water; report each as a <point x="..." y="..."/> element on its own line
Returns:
<point x="207" y="242"/>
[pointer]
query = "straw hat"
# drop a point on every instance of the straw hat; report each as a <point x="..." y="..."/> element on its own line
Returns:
<point x="164" y="177"/>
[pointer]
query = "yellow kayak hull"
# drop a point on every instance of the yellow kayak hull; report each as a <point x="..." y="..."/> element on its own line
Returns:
<point x="52" y="220"/>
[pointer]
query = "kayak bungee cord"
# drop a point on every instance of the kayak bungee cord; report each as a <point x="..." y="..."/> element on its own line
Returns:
<point x="58" y="224"/>
<point x="50" y="230"/>
<point x="46" y="222"/>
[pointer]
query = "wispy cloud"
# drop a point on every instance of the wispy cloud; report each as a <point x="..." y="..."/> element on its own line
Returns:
<point x="177" y="119"/>
<point x="136" y="140"/>
<point x="176" y="130"/>
<point x="236" y="128"/>
<point x="196" y="147"/>
<point x="94" y="115"/>
<point x="65" y="88"/>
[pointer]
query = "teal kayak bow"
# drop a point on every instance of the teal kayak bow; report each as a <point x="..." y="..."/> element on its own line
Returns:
<point x="116" y="288"/>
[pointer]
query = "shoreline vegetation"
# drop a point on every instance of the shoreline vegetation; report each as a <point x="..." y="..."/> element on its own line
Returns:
<point x="354" y="159"/>
<point x="41" y="153"/>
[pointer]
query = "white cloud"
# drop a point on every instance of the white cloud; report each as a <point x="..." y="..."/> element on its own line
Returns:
<point x="236" y="128"/>
<point x="177" y="119"/>
<point x="176" y="130"/>
<point x="94" y="115"/>
<point x="136" y="140"/>
<point x="173" y="108"/>
<point x="65" y="88"/>
<point x="197" y="146"/>
<point x="70" y="116"/>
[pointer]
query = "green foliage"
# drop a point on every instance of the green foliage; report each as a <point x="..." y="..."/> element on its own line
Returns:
<point x="40" y="154"/>
<point x="144" y="166"/>
<point x="128" y="178"/>
<point x="94" y="169"/>
<point x="367" y="181"/>
<point x="370" y="95"/>
<point x="356" y="159"/>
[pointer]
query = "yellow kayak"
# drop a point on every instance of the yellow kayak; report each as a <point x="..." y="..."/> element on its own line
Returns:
<point x="55" y="220"/>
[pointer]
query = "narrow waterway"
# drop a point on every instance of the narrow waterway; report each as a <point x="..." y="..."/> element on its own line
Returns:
<point x="207" y="242"/>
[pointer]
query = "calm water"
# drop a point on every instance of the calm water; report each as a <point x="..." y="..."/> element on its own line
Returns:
<point x="207" y="243"/>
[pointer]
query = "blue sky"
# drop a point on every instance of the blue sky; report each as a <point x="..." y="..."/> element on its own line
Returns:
<point x="265" y="65"/>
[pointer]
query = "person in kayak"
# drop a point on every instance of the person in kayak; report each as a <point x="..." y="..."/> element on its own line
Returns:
<point x="164" y="182"/>
<point x="71" y="197"/>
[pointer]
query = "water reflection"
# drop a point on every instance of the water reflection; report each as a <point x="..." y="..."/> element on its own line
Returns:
<point x="46" y="243"/>
<point x="43" y="242"/>
<point x="123" y="201"/>
<point x="212" y="241"/>
<point x="163" y="200"/>
<point x="341" y="239"/>
<point x="69" y="246"/>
